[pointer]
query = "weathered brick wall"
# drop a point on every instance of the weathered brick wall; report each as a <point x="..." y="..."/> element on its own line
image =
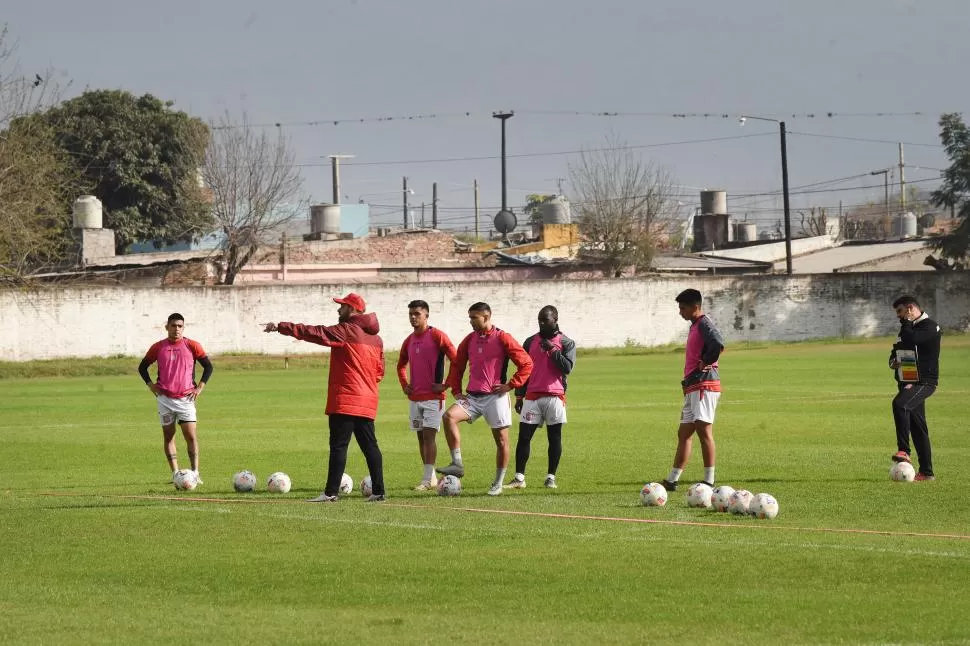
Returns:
<point x="414" y="248"/>
<point x="99" y="321"/>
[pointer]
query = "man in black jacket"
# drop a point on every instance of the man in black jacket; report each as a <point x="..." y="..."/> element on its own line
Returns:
<point x="919" y="333"/>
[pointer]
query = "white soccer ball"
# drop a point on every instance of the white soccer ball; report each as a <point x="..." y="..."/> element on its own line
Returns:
<point x="244" y="481"/>
<point x="740" y="500"/>
<point x="902" y="472"/>
<point x="721" y="497"/>
<point x="346" y="484"/>
<point x="366" y="488"/>
<point x="449" y="486"/>
<point x="185" y="480"/>
<point x="653" y="494"/>
<point x="278" y="482"/>
<point x="763" y="505"/>
<point x="699" y="495"/>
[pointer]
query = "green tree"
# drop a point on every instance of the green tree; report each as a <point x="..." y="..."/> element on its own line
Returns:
<point x="141" y="158"/>
<point x="532" y="203"/>
<point x="954" y="193"/>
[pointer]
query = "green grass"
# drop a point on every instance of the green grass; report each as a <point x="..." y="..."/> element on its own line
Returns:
<point x="117" y="556"/>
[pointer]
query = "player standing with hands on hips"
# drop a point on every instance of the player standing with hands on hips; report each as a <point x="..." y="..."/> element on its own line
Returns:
<point x="175" y="390"/>
<point x="542" y="399"/>
<point x="916" y="359"/>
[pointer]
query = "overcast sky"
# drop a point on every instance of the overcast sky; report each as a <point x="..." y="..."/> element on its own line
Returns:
<point x="306" y="64"/>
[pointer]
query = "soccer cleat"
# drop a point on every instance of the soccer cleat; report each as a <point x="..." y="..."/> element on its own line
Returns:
<point x="457" y="470"/>
<point x="668" y="485"/>
<point x="551" y="482"/>
<point x="922" y="477"/>
<point x="902" y="456"/>
<point x="709" y="484"/>
<point x="427" y="485"/>
<point x="515" y="484"/>
<point x="495" y="489"/>
<point x="323" y="497"/>
<point x="376" y="497"/>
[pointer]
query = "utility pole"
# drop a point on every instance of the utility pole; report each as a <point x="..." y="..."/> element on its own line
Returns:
<point x="784" y="188"/>
<point x="476" y="208"/>
<point x="335" y="171"/>
<point x="560" y="181"/>
<point x="434" y="205"/>
<point x="887" y="221"/>
<point x="422" y="215"/>
<point x="503" y="117"/>
<point x="902" y="180"/>
<point x="405" y="193"/>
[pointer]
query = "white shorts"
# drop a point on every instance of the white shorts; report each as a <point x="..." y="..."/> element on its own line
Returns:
<point x="496" y="409"/>
<point x="699" y="406"/>
<point x="426" y="414"/>
<point x="175" y="410"/>
<point x="545" y="410"/>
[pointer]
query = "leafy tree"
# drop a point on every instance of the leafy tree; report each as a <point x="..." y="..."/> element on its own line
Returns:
<point x="532" y="203"/>
<point x="255" y="186"/>
<point x="954" y="193"/>
<point x="624" y="206"/>
<point x="140" y="158"/>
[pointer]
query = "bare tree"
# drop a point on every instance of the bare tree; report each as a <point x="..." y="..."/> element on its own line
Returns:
<point x="36" y="183"/>
<point x="255" y="188"/>
<point x="624" y="206"/>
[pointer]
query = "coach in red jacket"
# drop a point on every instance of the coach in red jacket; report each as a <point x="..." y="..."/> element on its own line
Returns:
<point x="356" y="367"/>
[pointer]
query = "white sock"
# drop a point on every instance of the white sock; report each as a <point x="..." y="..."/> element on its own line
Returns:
<point x="550" y="476"/>
<point x="520" y="477"/>
<point x="674" y="475"/>
<point x="428" y="471"/>
<point x="456" y="456"/>
<point x="499" y="475"/>
<point x="709" y="474"/>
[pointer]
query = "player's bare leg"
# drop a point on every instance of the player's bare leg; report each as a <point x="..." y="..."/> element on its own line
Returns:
<point x="501" y="436"/>
<point x="685" y="438"/>
<point x="454" y="416"/>
<point x="168" y="445"/>
<point x="705" y="433"/>
<point x="192" y="442"/>
<point x="429" y="454"/>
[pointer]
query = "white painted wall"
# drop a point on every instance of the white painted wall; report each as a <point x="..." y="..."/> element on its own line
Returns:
<point x="103" y="321"/>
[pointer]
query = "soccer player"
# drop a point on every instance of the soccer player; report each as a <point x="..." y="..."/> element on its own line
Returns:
<point x="918" y="332"/>
<point x="356" y="367"/>
<point x="175" y="390"/>
<point x="702" y="388"/>
<point x="486" y="353"/>
<point x="424" y="350"/>
<point x="553" y="356"/>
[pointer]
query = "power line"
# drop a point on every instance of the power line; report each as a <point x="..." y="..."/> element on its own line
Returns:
<point x="894" y="142"/>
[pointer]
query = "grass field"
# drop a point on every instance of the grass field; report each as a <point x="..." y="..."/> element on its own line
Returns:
<point x="98" y="548"/>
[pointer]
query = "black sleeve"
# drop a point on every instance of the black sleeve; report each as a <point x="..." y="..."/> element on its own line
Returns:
<point x="713" y="342"/>
<point x="206" y="369"/>
<point x="565" y="359"/>
<point x="143" y="371"/>
<point x="911" y="335"/>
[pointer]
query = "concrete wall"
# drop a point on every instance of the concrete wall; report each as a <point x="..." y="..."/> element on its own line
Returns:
<point x="100" y="321"/>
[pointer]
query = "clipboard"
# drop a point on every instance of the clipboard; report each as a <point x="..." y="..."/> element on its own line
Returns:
<point x="908" y="370"/>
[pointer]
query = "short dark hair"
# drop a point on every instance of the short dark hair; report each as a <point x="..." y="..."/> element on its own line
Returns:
<point x="422" y="304"/>
<point x="689" y="297"/>
<point x="906" y="300"/>
<point x="480" y="307"/>
<point x="552" y="310"/>
<point x="175" y="316"/>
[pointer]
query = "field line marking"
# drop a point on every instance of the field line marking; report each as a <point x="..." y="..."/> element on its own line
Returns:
<point x="540" y="514"/>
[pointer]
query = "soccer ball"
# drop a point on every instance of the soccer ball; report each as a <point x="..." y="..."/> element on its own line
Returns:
<point x="699" y="495"/>
<point x="346" y="484"/>
<point x="764" y="505"/>
<point x="739" y="502"/>
<point x="278" y="482"/>
<point x="902" y="472"/>
<point x="721" y="497"/>
<point x="653" y="494"/>
<point x="185" y="480"/>
<point x="244" y="481"/>
<point x="366" y="487"/>
<point x="449" y="486"/>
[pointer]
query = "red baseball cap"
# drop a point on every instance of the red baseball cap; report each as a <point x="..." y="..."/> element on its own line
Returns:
<point x="354" y="300"/>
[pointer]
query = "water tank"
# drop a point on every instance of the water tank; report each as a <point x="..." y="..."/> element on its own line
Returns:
<point x="325" y="218"/>
<point x="747" y="232"/>
<point x="87" y="212"/>
<point x="555" y="211"/>
<point x="906" y="226"/>
<point x="713" y="202"/>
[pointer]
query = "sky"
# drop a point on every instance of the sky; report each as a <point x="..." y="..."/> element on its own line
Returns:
<point x="409" y="88"/>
